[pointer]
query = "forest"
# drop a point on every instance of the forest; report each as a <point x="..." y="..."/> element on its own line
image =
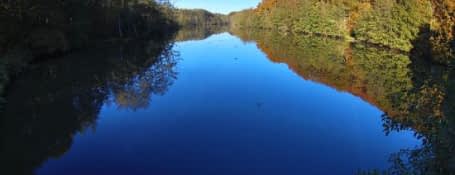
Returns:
<point x="387" y="23"/>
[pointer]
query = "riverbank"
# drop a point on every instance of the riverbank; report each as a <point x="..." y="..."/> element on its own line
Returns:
<point x="396" y="25"/>
<point x="59" y="28"/>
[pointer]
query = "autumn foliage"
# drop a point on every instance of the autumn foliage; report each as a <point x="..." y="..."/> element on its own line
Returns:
<point x="388" y="23"/>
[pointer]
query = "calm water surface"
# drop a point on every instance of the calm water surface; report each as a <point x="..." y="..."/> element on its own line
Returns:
<point x="220" y="105"/>
<point x="233" y="111"/>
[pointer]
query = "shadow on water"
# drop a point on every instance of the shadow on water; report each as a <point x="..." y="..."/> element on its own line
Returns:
<point x="67" y="94"/>
<point x="100" y="48"/>
<point x="53" y="101"/>
<point x="413" y="93"/>
<point x="32" y="31"/>
<point x="430" y="109"/>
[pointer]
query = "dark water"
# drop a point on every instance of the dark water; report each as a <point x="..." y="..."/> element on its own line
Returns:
<point x="230" y="104"/>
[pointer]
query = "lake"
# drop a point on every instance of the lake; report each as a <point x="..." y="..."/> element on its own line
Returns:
<point x="228" y="103"/>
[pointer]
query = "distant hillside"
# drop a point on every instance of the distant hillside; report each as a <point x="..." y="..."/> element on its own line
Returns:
<point x="199" y="17"/>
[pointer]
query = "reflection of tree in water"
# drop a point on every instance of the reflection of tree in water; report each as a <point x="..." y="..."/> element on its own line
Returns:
<point x="137" y="93"/>
<point x="199" y="32"/>
<point x="156" y="80"/>
<point x="414" y="94"/>
<point x="33" y="30"/>
<point x="430" y="113"/>
<point x="53" y="101"/>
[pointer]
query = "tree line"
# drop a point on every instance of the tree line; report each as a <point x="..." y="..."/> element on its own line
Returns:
<point x="199" y="17"/>
<point x="390" y="23"/>
<point x="71" y="23"/>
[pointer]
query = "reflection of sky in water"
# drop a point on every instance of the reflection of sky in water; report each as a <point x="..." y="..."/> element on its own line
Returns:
<point x="232" y="111"/>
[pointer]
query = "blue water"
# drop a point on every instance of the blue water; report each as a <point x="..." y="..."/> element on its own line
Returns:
<point x="231" y="110"/>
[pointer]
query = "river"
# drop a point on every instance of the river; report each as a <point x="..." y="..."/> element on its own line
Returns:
<point x="229" y="103"/>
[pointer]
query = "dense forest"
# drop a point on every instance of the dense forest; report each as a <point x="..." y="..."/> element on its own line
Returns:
<point x="44" y="24"/>
<point x="388" y="23"/>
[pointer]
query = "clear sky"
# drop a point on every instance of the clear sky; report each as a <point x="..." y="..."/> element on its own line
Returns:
<point x="217" y="6"/>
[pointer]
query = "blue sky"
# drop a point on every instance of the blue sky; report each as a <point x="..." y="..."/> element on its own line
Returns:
<point x="218" y="6"/>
